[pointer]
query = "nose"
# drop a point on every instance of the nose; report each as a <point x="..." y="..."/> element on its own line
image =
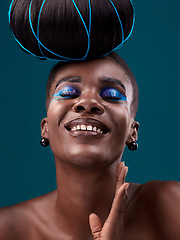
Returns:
<point x="88" y="105"/>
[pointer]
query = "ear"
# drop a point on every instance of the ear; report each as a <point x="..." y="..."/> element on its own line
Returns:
<point x="133" y="134"/>
<point x="44" y="128"/>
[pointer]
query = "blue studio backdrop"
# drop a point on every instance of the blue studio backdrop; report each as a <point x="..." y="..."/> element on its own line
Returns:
<point x="27" y="170"/>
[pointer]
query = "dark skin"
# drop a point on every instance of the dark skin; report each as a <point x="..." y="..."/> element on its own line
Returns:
<point x="92" y="200"/>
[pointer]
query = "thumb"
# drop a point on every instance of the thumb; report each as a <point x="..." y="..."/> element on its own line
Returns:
<point x="95" y="225"/>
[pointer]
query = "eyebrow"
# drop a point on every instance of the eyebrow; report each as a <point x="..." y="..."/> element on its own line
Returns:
<point x="68" y="79"/>
<point x="102" y="80"/>
<point x="112" y="80"/>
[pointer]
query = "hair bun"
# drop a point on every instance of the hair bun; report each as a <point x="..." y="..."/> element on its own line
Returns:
<point x="71" y="29"/>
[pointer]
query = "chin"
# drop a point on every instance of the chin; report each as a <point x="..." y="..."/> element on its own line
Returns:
<point x="90" y="157"/>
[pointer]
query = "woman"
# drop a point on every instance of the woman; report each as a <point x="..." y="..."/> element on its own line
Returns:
<point x="91" y="106"/>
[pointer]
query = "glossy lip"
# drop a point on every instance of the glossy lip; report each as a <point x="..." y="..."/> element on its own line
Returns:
<point x="86" y="121"/>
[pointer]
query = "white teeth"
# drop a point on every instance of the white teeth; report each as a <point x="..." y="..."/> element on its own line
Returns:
<point x="89" y="128"/>
<point x="86" y="128"/>
<point x="73" y="129"/>
<point x="94" y="129"/>
<point x="83" y="127"/>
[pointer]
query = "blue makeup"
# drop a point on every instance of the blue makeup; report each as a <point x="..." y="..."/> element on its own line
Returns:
<point x="112" y="94"/>
<point x="109" y="94"/>
<point x="68" y="92"/>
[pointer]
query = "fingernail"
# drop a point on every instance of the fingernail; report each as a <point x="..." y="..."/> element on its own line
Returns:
<point x="126" y="170"/>
<point x="126" y="187"/>
<point x="122" y="164"/>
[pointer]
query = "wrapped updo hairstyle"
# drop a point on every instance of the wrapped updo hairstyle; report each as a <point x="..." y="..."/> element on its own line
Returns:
<point x="71" y="29"/>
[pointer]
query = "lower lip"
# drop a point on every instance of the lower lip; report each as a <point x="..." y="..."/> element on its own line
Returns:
<point x="85" y="134"/>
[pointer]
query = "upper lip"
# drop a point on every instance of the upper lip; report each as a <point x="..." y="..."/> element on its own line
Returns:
<point x="87" y="121"/>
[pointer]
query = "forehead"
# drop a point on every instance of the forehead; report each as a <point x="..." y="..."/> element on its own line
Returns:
<point x="91" y="71"/>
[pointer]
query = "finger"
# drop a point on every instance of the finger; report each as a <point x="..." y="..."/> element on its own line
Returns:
<point x="119" y="205"/>
<point x="95" y="225"/>
<point x="119" y="167"/>
<point x="121" y="175"/>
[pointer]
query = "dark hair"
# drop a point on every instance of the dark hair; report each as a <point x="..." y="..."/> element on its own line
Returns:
<point x="71" y="29"/>
<point x="114" y="57"/>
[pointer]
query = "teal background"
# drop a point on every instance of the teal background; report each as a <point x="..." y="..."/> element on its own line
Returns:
<point x="27" y="170"/>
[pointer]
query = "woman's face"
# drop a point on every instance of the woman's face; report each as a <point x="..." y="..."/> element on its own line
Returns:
<point x="88" y="120"/>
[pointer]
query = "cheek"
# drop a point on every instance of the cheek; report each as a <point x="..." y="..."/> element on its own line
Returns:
<point x="57" y="110"/>
<point x="121" y="122"/>
<point x="55" y="116"/>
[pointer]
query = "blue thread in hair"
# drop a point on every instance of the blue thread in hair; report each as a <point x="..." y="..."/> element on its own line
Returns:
<point x="30" y="22"/>
<point x="131" y="27"/>
<point x="89" y="31"/>
<point x="122" y="30"/>
<point x="84" y="27"/>
<point x="120" y="45"/>
<point x="40" y="43"/>
<point x="32" y="27"/>
<point x="38" y="35"/>
<point x="26" y="49"/>
<point x="89" y="26"/>
<point x="66" y="59"/>
<point x="9" y="13"/>
<point x="134" y="17"/>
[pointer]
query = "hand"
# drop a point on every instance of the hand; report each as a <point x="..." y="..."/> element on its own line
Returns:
<point x="113" y="228"/>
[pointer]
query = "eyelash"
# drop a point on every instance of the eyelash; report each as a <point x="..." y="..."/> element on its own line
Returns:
<point x="112" y="94"/>
<point x="107" y="94"/>
<point x="68" y="93"/>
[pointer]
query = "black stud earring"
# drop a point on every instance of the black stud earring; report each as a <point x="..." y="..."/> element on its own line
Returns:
<point x="44" y="142"/>
<point x="133" y="146"/>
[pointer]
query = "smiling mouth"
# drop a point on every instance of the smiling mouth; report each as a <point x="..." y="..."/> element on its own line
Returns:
<point x="87" y="125"/>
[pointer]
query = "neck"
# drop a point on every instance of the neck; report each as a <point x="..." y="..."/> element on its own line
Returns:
<point x="81" y="192"/>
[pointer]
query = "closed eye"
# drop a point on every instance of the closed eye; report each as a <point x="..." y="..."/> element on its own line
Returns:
<point x="68" y="92"/>
<point x="112" y="94"/>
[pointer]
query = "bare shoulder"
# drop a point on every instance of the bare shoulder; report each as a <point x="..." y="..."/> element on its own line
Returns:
<point x="12" y="222"/>
<point x="157" y="204"/>
<point x="21" y="221"/>
<point x="161" y="194"/>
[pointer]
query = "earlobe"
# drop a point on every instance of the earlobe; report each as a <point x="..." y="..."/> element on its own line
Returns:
<point x="44" y="128"/>
<point x="133" y="134"/>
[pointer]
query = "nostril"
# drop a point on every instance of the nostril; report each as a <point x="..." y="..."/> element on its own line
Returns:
<point x="95" y="109"/>
<point x="88" y="108"/>
<point x="80" y="108"/>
